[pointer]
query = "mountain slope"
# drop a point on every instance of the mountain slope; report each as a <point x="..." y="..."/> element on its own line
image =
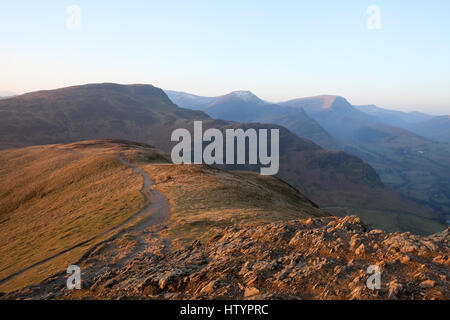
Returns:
<point x="394" y="118"/>
<point x="141" y="228"/>
<point x="244" y="106"/>
<point x="356" y="132"/>
<point x="138" y="113"/>
<point x="189" y="101"/>
<point x="415" y="166"/>
<point x="436" y="128"/>
<point x="57" y="202"/>
<point x="336" y="181"/>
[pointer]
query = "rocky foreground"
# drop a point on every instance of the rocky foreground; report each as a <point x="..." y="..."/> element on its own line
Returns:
<point x="322" y="258"/>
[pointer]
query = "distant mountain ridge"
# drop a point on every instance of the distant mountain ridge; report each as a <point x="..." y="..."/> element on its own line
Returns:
<point x="393" y="117"/>
<point x="436" y="128"/>
<point x="187" y="100"/>
<point x="244" y="106"/>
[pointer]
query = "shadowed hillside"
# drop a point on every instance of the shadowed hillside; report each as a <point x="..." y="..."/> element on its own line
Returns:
<point x="96" y="111"/>
<point x="436" y="128"/>
<point x="393" y="117"/>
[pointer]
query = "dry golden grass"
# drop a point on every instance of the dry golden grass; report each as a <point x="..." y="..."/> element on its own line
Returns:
<point x="202" y="198"/>
<point x="55" y="197"/>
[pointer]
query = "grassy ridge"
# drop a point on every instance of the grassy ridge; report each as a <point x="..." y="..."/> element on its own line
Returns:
<point x="55" y="197"/>
<point x="52" y="199"/>
<point x="202" y="198"/>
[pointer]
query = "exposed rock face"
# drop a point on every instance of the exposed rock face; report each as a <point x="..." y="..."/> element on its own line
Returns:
<point x="322" y="258"/>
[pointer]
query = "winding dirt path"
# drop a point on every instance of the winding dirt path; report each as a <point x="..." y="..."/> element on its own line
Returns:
<point x="157" y="211"/>
<point x="157" y="208"/>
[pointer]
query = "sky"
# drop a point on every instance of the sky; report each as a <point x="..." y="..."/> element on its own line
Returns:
<point x="279" y="50"/>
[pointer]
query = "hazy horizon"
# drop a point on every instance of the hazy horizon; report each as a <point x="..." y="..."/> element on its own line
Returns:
<point x="6" y="93"/>
<point x="278" y="51"/>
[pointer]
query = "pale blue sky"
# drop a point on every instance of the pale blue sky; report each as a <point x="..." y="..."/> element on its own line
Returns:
<point x="277" y="49"/>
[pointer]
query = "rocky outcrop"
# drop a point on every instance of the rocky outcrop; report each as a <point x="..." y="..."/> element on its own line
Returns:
<point x="321" y="258"/>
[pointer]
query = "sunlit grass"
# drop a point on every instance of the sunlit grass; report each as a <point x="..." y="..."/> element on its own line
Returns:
<point x="53" y="198"/>
<point x="202" y="198"/>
